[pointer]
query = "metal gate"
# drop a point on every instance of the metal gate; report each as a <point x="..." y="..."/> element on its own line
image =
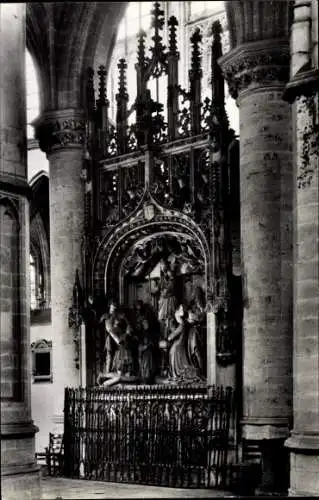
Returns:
<point x="156" y="435"/>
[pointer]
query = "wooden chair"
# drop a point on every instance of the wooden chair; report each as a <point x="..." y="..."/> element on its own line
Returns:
<point x="55" y="454"/>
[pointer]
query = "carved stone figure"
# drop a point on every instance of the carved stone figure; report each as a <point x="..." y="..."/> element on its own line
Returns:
<point x="167" y="302"/>
<point x="146" y="329"/>
<point x="120" y="347"/>
<point x="196" y="341"/>
<point x="146" y="358"/>
<point x="178" y="360"/>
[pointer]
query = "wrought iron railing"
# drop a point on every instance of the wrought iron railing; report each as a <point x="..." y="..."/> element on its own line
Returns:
<point x="157" y="435"/>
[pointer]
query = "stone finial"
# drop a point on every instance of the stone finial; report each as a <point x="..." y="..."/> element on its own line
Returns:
<point x="172" y="23"/>
<point x="217" y="30"/>
<point x="102" y="85"/>
<point x="157" y="24"/>
<point x="141" y="48"/>
<point x="196" y="39"/>
<point x="157" y="18"/>
<point x="122" y="66"/>
<point x="218" y="93"/>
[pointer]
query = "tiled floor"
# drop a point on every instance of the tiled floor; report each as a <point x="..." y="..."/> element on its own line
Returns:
<point x="54" y="488"/>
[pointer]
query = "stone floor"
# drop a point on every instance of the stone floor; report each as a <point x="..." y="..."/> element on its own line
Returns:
<point x="54" y="488"/>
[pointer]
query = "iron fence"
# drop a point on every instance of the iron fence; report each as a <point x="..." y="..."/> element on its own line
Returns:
<point x="156" y="435"/>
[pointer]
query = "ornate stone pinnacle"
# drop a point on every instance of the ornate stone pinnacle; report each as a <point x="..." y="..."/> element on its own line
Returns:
<point x="217" y="29"/>
<point x="157" y="17"/>
<point x="196" y="38"/>
<point x="102" y="85"/>
<point x="157" y="24"/>
<point x="141" y="48"/>
<point x="172" y="23"/>
<point x="122" y="66"/>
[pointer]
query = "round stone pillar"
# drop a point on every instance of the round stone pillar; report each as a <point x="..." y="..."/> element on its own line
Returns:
<point x="61" y="136"/>
<point x="257" y="73"/>
<point x="20" y="477"/>
<point x="302" y="91"/>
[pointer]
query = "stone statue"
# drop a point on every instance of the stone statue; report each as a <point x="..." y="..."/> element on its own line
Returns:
<point x="181" y="367"/>
<point x="196" y="341"/>
<point x="146" y="358"/>
<point x="167" y="302"/>
<point x="120" y="348"/>
<point x="178" y="360"/>
<point x="146" y="329"/>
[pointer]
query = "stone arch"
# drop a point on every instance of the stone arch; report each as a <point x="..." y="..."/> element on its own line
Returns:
<point x="40" y="229"/>
<point x="9" y="207"/>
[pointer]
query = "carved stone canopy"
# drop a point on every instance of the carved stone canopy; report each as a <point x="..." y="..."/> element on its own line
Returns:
<point x="256" y="65"/>
<point x="148" y="253"/>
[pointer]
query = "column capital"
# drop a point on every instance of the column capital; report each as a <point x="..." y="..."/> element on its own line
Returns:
<point x="60" y="129"/>
<point x="256" y="65"/>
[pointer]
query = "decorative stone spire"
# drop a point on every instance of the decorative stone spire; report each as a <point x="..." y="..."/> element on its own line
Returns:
<point x="172" y="23"/>
<point x="218" y="92"/>
<point x="122" y="66"/>
<point x="157" y="24"/>
<point x="102" y="85"/>
<point x="196" y="39"/>
<point x="141" y="48"/>
<point x="122" y="99"/>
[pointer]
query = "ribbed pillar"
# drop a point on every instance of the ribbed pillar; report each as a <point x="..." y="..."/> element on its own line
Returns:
<point x="20" y="478"/>
<point x="302" y="90"/>
<point x="256" y="73"/>
<point x="61" y="136"/>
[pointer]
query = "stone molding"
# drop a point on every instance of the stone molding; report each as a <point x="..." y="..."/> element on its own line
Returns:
<point x="18" y="430"/>
<point x="15" y="186"/>
<point x="304" y="83"/>
<point x="12" y="470"/>
<point x="60" y="129"/>
<point x="256" y="65"/>
<point x="259" y="428"/>
<point x="301" y="442"/>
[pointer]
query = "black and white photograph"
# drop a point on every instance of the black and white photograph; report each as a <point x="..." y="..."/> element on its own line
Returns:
<point x="159" y="249"/>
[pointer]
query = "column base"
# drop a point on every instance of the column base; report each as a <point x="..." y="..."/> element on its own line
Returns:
<point x="269" y="435"/>
<point x="304" y="464"/>
<point x="274" y="468"/>
<point x="24" y="485"/>
<point x="20" y="474"/>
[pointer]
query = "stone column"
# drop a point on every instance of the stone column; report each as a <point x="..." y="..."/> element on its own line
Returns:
<point x="302" y="91"/>
<point x="61" y="136"/>
<point x="256" y="73"/>
<point x="20" y="477"/>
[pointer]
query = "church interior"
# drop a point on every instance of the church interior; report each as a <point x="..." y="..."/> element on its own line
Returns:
<point x="159" y="222"/>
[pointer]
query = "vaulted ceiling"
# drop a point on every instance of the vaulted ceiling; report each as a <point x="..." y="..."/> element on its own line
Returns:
<point x="64" y="38"/>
